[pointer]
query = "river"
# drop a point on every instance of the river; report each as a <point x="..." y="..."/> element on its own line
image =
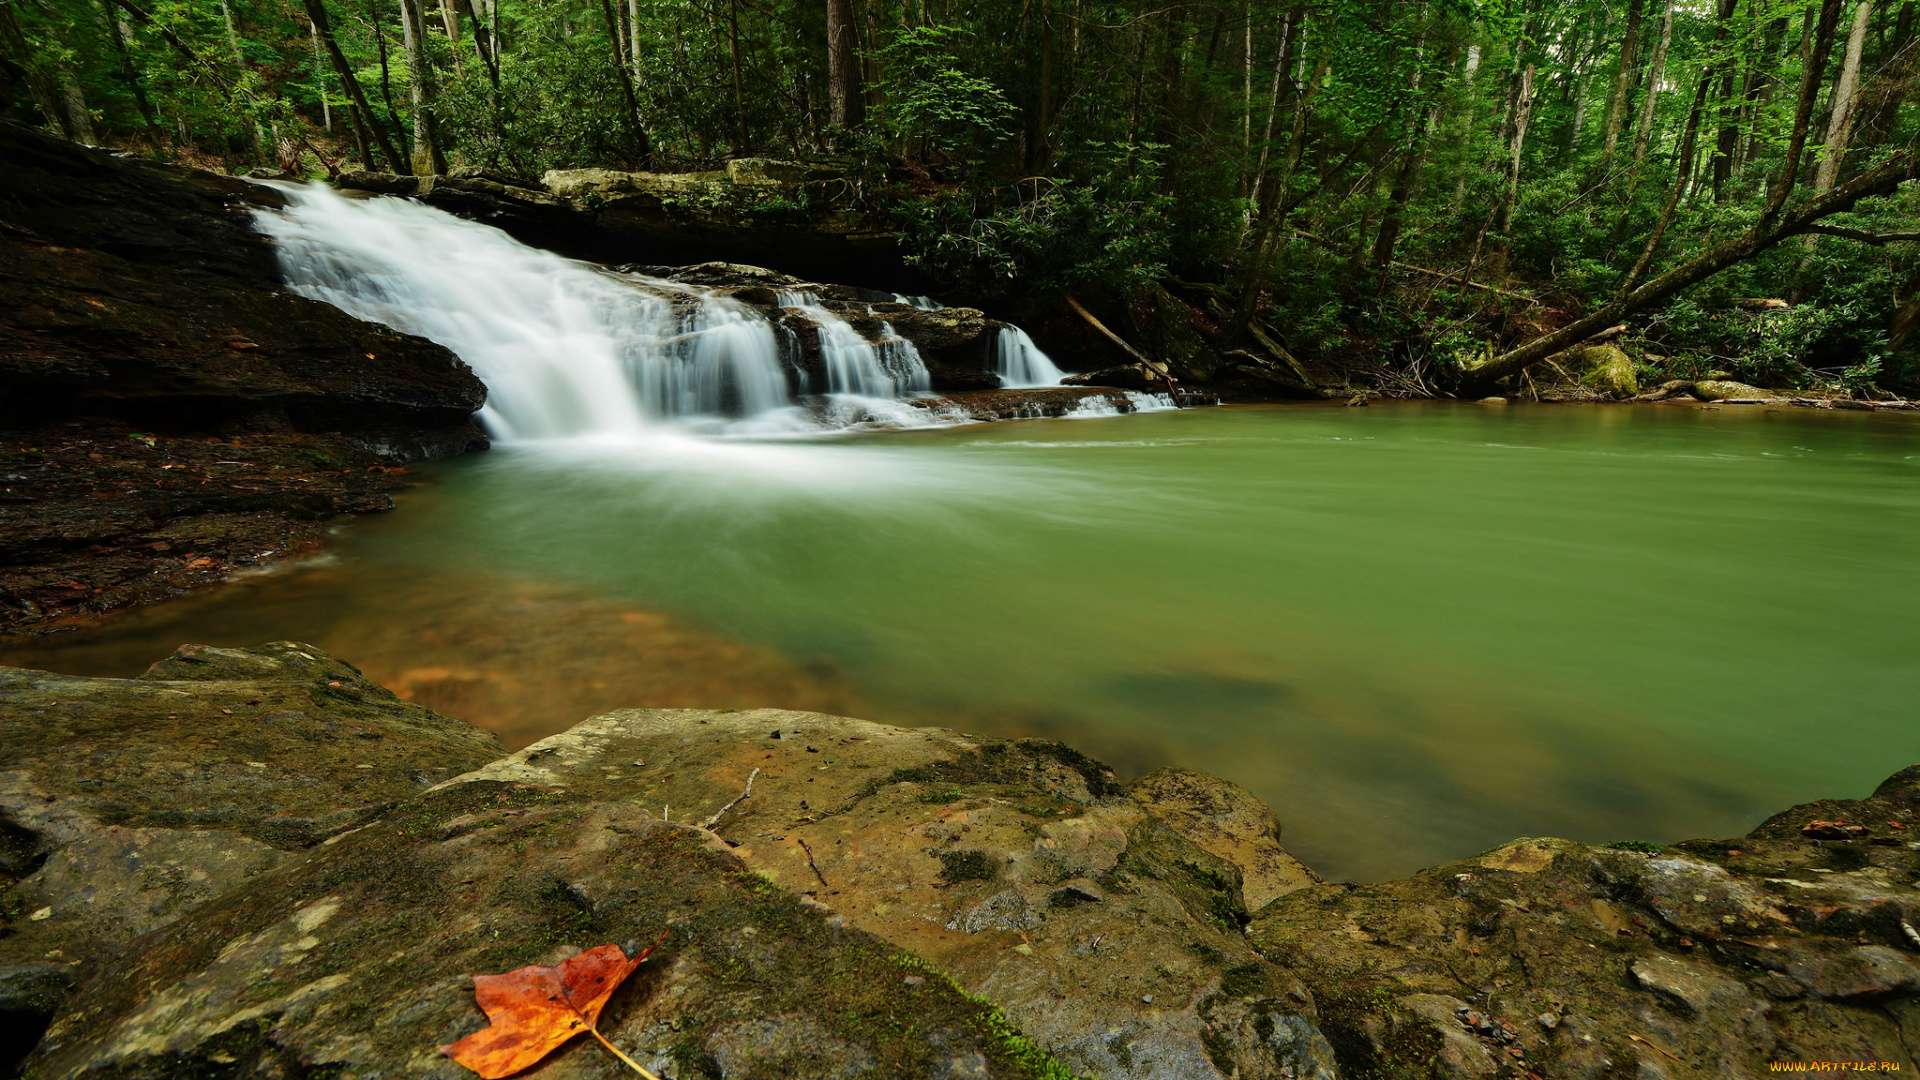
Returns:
<point x="1416" y="629"/>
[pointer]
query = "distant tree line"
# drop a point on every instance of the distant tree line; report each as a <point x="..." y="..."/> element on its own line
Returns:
<point x="1433" y="185"/>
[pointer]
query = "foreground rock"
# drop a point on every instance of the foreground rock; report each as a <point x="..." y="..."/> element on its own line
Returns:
<point x="125" y="804"/>
<point x="137" y="301"/>
<point x="849" y="899"/>
<point x="1020" y="867"/>
<point x="1794" y="943"/>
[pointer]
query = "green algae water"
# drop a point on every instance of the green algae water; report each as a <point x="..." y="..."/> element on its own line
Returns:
<point x="1417" y="630"/>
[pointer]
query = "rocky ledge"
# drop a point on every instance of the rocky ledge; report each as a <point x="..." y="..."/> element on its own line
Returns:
<point x="169" y="409"/>
<point x="255" y="862"/>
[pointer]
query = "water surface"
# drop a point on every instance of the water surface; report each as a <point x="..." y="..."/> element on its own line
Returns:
<point x="1416" y="630"/>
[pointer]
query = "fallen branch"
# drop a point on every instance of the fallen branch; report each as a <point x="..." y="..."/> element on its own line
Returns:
<point x="1443" y="275"/>
<point x="1862" y="235"/>
<point x="720" y="813"/>
<point x="1130" y="350"/>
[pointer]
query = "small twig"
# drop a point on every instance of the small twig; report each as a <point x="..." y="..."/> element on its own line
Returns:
<point x="718" y="814"/>
<point x="814" y="865"/>
<point x="1655" y="1045"/>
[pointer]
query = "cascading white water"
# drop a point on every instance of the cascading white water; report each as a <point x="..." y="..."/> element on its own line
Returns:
<point x="888" y="369"/>
<point x="570" y="349"/>
<point x="924" y="303"/>
<point x="564" y="348"/>
<point x="1020" y="363"/>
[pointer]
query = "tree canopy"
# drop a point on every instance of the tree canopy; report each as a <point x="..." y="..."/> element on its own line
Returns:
<point x="1415" y="187"/>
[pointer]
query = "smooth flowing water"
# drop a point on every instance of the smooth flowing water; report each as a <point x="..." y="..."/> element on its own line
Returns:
<point x="1417" y="630"/>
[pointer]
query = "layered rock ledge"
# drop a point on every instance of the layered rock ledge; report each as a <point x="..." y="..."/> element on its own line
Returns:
<point x="254" y="862"/>
<point x="170" y="413"/>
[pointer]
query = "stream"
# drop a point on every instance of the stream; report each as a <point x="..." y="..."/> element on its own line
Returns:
<point x="1416" y="629"/>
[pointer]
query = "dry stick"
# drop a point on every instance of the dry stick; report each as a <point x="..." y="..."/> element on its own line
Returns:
<point x="814" y="865"/>
<point x="632" y="1064"/>
<point x="718" y="814"/>
<point x="1130" y="350"/>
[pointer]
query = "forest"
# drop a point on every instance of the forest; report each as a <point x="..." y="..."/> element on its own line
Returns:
<point x="1436" y="194"/>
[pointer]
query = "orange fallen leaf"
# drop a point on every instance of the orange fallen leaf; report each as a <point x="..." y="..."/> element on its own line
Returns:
<point x="535" y="1009"/>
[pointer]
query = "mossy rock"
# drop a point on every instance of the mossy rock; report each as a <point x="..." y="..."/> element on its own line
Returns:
<point x="1607" y="368"/>
<point x="1722" y="389"/>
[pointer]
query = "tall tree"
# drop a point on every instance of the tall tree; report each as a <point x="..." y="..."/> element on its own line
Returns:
<point x="845" y="104"/>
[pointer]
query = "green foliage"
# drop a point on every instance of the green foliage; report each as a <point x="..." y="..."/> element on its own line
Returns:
<point x="1109" y="226"/>
<point x="1023" y="150"/>
<point x="931" y="101"/>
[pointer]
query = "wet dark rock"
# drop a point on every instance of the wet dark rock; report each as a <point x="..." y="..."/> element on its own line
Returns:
<point x="792" y="215"/>
<point x="136" y="300"/>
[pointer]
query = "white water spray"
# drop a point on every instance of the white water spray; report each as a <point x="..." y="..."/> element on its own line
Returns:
<point x="1020" y="363"/>
<point x="568" y="349"/>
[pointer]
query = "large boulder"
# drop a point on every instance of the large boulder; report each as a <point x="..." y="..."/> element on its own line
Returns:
<point x="127" y="803"/>
<point x="1020" y="867"/>
<point x="839" y="898"/>
<point x="1712" y="958"/>
<point x="139" y="310"/>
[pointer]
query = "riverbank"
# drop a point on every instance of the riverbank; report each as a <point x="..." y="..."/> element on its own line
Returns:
<point x="291" y="867"/>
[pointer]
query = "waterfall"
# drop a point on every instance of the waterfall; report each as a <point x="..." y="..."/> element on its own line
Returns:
<point x="1020" y="363"/>
<point x="887" y="369"/>
<point x="567" y="348"/>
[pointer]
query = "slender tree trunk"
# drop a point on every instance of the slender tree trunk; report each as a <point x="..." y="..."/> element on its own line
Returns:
<point x="323" y="31"/>
<point x="739" y="93"/>
<point x="1522" y="119"/>
<point x="131" y="77"/>
<point x="402" y="163"/>
<point x="1040" y="117"/>
<point x="633" y="42"/>
<point x="636" y="129"/>
<point x="1274" y="208"/>
<point x="1622" y="85"/>
<point x="451" y="22"/>
<point x="1643" y="131"/>
<point x="428" y="160"/>
<point x="1846" y="93"/>
<point x="1729" y="138"/>
<point x="1295" y="18"/>
<point x="845" y="105"/>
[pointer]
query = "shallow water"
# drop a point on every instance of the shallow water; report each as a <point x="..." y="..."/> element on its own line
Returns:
<point x="1416" y="630"/>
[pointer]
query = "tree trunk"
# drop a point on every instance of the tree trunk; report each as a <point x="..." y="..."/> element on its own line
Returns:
<point x="739" y="93"/>
<point x="845" y="106"/>
<point x="1846" y="94"/>
<point x="1643" y="131"/>
<point x="1522" y="118"/>
<point x="131" y="77"/>
<point x="1773" y="226"/>
<point x="323" y="30"/>
<point x="636" y="130"/>
<point x="1294" y="18"/>
<point x="1274" y="208"/>
<point x="427" y="157"/>
<point x="1622" y="85"/>
<point x="1040" y="117"/>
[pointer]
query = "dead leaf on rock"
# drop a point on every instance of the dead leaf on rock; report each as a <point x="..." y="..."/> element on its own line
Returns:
<point x="536" y="1009"/>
